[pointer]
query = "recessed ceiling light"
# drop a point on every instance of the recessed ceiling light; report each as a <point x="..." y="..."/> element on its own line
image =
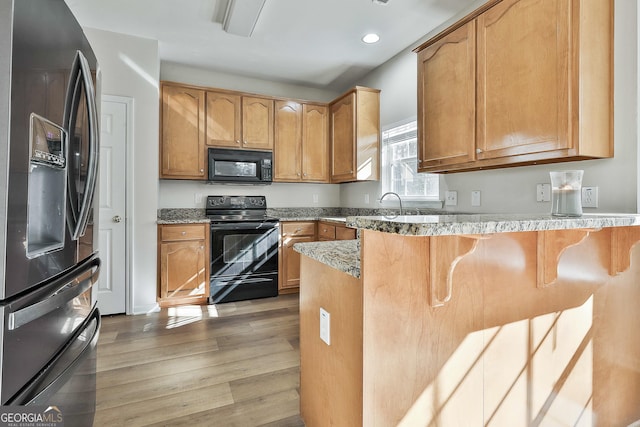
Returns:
<point x="370" y="38"/>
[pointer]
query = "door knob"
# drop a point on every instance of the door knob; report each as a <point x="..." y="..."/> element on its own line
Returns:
<point x="116" y="218"/>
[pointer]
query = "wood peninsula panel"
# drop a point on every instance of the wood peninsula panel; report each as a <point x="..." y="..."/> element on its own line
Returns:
<point x="501" y="350"/>
<point x="331" y="389"/>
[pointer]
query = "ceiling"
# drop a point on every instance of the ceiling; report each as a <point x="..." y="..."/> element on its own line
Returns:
<point x="311" y="43"/>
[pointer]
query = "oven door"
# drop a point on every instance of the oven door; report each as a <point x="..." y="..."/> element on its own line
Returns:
<point x="244" y="260"/>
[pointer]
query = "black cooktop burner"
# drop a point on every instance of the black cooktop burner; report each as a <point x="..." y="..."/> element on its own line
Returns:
<point x="238" y="208"/>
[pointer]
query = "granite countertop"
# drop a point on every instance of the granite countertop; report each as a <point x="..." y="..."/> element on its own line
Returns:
<point x="444" y="225"/>
<point x="343" y="255"/>
<point x="182" y="216"/>
<point x="337" y="219"/>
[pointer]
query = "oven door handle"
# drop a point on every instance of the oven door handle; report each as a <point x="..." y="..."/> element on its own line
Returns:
<point x="249" y="225"/>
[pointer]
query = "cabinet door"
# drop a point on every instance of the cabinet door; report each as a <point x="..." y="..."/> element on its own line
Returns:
<point x="257" y="123"/>
<point x="287" y="142"/>
<point x="182" y="269"/>
<point x="345" y="233"/>
<point x="290" y="266"/>
<point x="326" y="231"/>
<point x="523" y="78"/>
<point x="182" y="148"/>
<point x="315" y="143"/>
<point x="343" y="136"/>
<point x="446" y="100"/>
<point x="223" y="119"/>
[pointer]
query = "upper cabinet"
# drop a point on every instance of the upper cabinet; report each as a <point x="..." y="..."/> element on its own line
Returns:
<point x="301" y="143"/>
<point x="312" y="141"/>
<point x="355" y="136"/>
<point x="488" y="99"/>
<point x="182" y="148"/>
<point x="238" y="121"/>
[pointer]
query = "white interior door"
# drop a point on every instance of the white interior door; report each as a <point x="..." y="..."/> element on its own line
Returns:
<point x="112" y="286"/>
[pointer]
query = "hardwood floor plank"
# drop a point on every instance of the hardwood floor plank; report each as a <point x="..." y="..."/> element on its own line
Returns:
<point x="234" y="364"/>
<point x="266" y="409"/>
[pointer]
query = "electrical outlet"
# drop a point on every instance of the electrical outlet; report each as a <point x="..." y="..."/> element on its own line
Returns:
<point x="589" y="197"/>
<point x="197" y="198"/>
<point x="475" y="198"/>
<point x="451" y="198"/>
<point x="366" y="198"/>
<point x="315" y="198"/>
<point x="325" y="326"/>
<point x="543" y="192"/>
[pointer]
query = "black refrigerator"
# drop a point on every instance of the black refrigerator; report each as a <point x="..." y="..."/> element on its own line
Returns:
<point x="48" y="245"/>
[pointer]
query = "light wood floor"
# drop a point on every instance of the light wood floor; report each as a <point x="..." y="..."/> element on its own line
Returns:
<point x="234" y="364"/>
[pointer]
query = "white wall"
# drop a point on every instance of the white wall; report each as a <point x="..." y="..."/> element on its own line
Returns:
<point x="182" y="194"/>
<point x="513" y="190"/>
<point x="130" y="67"/>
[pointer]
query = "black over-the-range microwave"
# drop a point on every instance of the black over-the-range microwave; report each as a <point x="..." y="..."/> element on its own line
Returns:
<point x="230" y="166"/>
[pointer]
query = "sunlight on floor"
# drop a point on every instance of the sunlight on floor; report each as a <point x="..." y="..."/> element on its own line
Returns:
<point x="186" y="314"/>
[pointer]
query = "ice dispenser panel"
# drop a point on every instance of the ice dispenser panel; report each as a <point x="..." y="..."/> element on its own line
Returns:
<point x="47" y="187"/>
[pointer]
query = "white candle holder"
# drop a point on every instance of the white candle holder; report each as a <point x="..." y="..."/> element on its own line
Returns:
<point x="566" y="193"/>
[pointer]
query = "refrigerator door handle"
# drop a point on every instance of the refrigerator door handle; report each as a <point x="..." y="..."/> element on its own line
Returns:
<point x="81" y="74"/>
<point x="71" y="288"/>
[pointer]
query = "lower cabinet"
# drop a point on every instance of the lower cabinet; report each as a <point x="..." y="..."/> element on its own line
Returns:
<point x="333" y="231"/>
<point x="183" y="267"/>
<point x="288" y="259"/>
<point x="302" y="232"/>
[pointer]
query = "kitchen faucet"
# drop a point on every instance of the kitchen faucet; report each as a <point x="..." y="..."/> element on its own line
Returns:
<point x="392" y="194"/>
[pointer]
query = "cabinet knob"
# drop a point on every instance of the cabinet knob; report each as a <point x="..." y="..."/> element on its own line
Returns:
<point x="478" y="150"/>
<point x="184" y="233"/>
<point x="245" y="142"/>
<point x="298" y="230"/>
<point x="298" y="174"/>
<point x="201" y="170"/>
<point x="304" y="174"/>
<point x="237" y="141"/>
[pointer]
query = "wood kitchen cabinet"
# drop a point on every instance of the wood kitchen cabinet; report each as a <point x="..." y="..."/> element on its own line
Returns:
<point x="355" y="136"/>
<point x="487" y="99"/>
<point x="183" y="264"/>
<point x="182" y="145"/>
<point x="446" y="131"/>
<point x="301" y="142"/>
<point x="332" y="231"/>
<point x="288" y="259"/>
<point x="236" y="120"/>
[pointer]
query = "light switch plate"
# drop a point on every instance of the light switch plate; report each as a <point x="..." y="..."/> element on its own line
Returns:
<point x="325" y="326"/>
<point x="451" y="198"/>
<point x="543" y="192"/>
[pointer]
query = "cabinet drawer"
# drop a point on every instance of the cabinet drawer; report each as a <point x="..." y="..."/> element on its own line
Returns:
<point x="298" y="228"/>
<point x="345" y="233"/>
<point x="326" y="231"/>
<point x="183" y="232"/>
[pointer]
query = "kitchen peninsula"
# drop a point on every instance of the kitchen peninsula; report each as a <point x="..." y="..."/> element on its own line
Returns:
<point x="473" y="320"/>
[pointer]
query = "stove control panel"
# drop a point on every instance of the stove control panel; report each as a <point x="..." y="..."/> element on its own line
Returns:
<point x="236" y="202"/>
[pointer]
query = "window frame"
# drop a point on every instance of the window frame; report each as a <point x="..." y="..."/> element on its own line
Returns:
<point x="385" y="165"/>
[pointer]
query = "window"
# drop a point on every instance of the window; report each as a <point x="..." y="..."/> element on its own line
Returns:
<point x="399" y="165"/>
